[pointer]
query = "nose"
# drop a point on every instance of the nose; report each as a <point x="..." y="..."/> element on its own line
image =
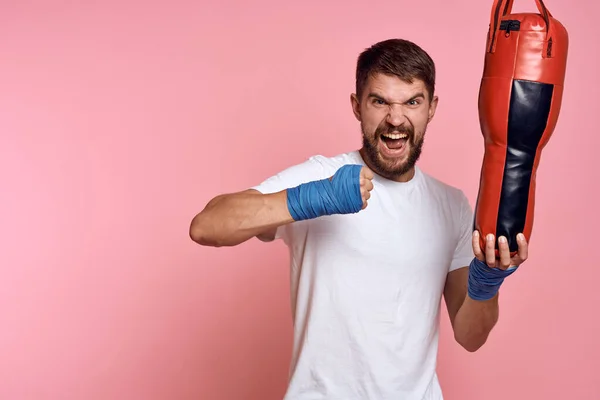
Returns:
<point x="396" y="116"/>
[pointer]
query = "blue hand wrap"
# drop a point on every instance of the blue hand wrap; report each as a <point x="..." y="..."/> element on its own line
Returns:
<point x="484" y="282"/>
<point x="338" y="195"/>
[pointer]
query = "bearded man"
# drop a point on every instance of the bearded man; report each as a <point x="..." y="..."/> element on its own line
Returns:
<point x="375" y="243"/>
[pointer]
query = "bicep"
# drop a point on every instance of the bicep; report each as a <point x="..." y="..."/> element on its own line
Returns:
<point x="455" y="291"/>
<point x="268" y="234"/>
<point x="309" y="170"/>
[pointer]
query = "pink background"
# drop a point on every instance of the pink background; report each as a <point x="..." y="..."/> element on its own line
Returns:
<point x="120" y="120"/>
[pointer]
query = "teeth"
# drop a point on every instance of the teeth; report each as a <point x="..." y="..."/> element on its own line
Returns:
<point x="395" y="136"/>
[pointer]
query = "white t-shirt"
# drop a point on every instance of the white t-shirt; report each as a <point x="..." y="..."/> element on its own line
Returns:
<point x="366" y="288"/>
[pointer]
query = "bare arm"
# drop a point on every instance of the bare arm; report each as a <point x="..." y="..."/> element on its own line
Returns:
<point x="231" y="219"/>
<point x="473" y="320"/>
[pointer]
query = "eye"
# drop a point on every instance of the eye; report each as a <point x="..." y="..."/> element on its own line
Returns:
<point x="413" y="102"/>
<point x="379" y="102"/>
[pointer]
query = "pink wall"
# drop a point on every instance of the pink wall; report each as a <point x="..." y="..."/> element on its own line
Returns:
<point x="120" y="120"/>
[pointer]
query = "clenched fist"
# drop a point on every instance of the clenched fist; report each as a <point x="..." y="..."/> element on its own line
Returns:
<point x="366" y="185"/>
<point x="346" y="192"/>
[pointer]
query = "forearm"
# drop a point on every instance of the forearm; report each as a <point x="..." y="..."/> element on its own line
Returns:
<point x="474" y="321"/>
<point x="229" y="220"/>
<point x="472" y="293"/>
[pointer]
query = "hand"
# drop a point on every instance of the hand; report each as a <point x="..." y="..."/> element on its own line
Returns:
<point x="504" y="261"/>
<point x="366" y="185"/>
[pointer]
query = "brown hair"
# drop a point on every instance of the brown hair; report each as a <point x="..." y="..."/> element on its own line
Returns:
<point x="398" y="57"/>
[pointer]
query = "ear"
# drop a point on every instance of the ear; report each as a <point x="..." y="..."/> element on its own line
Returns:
<point x="432" y="107"/>
<point x="355" y="105"/>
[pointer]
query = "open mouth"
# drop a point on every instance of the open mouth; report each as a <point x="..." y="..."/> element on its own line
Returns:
<point x="394" y="141"/>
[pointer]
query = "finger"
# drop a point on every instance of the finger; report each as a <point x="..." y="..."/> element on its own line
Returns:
<point x="477" y="246"/>
<point x="490" y="251"/>
<point x="504" y="252"/>
<point x="367" y="173"/>
<point x="366" y="195"/>
<point x="523" y="247"/>
<point x="366" y="184"/>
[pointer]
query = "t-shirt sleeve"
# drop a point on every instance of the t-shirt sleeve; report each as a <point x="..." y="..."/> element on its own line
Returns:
<point x="463" y="254"/>
<point x="309" y="170"/>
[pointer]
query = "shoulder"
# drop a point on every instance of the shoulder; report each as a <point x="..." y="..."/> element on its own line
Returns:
<point x="320" y="166"/>
<point x="333" y="163"/>
<point x="313" y="168"/>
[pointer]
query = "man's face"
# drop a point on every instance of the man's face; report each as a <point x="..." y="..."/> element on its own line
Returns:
<point x="393" y="117"/>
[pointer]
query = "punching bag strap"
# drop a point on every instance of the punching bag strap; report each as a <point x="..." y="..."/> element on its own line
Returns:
<point x="547" y="53"/>
<point x="501" y="8"/>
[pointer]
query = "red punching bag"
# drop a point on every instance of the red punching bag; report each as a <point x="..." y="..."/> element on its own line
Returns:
<point x="519" y="102"/>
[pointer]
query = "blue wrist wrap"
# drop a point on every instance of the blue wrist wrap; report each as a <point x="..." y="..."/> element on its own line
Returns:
<point x="484" y="282"/>
<point x="338" y="195"/>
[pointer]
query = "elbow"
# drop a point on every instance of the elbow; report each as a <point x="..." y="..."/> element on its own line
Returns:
<point x="202" y="230"/>
<point x="201" y="238"/>
<point x="200" y="234"/>
<point x="197" y="235"/>
<point x="472" y="347"/>
<point x="471" y="344"/>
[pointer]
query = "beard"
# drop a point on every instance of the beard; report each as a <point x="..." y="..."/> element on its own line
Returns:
<point x="392" y="169"/>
